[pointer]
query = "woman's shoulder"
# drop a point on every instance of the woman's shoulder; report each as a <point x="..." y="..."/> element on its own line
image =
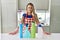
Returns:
<point x="24" y="15"/>
<point x="35" y="14"/>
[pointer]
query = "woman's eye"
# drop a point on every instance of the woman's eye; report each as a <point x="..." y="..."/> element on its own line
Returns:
<point x="30" y="7"/>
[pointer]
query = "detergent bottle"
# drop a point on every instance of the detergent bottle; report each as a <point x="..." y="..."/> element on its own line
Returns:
<point x="26" y="33"/>
<point x="40" y="31"/>
<point x="21" y="30"/>
<point x="33" y="30"/>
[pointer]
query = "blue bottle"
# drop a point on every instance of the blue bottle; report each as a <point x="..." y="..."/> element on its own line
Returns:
<point x="26" y="33"/>
<point x="21" y="30"/>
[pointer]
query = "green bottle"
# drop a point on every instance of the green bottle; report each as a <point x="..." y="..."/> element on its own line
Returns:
<point x="33" y="30"/>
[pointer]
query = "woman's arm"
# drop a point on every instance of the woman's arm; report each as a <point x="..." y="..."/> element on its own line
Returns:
<point x="35" y="16"/>
<point x="22" y="20"/>
<point x="37" y="22"/>
<point x="36" y="19"/>
<point x="15" y="31"/>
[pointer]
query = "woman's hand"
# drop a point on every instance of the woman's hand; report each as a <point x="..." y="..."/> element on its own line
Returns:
<point x="15" y="31"/>
<point x="12" y="33"/>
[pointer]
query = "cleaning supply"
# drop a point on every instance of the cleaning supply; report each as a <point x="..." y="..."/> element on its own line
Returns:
<point x="21" y="30"/>
<point x="26" y="33"/>
<point x="33" y="30"/>
<point x="40" y="31"/>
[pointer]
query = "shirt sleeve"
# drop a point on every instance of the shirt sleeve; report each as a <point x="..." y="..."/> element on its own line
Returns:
<point x="24" y="15"/>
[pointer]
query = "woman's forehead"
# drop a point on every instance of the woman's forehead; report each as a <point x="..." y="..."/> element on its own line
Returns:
<point x="30" y="6"/>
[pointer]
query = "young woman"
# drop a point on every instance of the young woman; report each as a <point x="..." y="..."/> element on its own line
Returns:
<point x="28" y="17"/>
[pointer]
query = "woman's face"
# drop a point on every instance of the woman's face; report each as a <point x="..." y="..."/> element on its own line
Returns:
<point x="29" y="9"/>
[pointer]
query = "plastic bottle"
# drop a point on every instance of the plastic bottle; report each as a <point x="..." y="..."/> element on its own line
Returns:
<point x="33" y="30"/>
<point x="21" y="30"/>
<point x="26" y="33"/>
<point x="40" y="31"/>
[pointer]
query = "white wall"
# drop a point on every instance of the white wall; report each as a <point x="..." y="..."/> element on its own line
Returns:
<point x="0" y="16"/>
<point x="39" y="4"/>
<point x="9" y="8"/>
<point x="55" y="16"/>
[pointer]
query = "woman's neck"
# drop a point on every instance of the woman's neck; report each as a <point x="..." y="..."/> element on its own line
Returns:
<point x="29" y="14"/>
